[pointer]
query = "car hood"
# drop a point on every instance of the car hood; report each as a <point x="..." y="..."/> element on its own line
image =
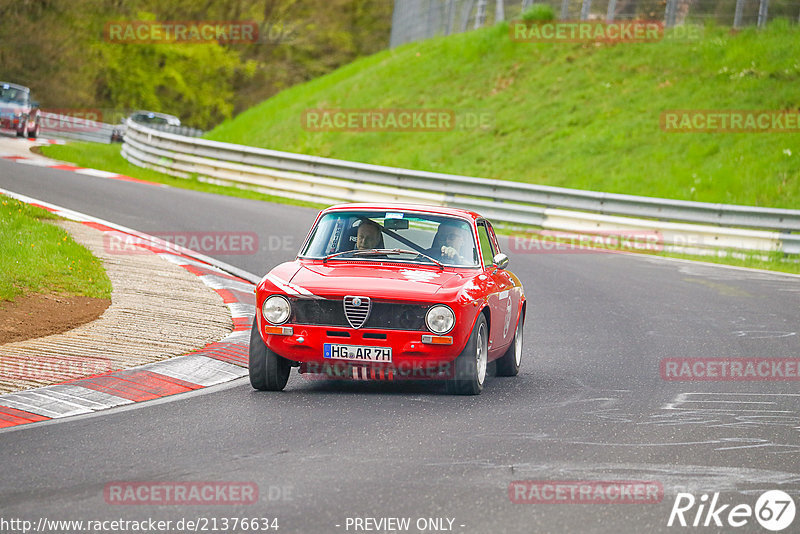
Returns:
<point x="377" y="281"/>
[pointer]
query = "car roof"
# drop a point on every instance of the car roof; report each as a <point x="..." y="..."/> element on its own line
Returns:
<point x="439" y="210"/>
<point x="15" y="86"/>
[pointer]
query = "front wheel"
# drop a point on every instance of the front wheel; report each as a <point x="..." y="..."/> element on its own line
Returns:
<point x="508" y="364"/>
<point x="268" y="371"/>
<point x="36" y="130"/>
<point x="470" y="366"/>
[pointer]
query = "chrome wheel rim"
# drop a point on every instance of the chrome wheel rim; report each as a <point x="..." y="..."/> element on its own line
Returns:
<point x="518" y="344"/>
<point x="481" y="354"/>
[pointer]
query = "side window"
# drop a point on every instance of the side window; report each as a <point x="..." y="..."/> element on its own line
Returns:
<point x="486" y="244"/>
<point x="495" y="241"/>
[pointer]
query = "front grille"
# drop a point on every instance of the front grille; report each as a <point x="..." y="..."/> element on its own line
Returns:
<point x="356" y="310"/>
<point x="395" y="316"/>
<point x="384" y="315"/>
<point x="318" y="312"/>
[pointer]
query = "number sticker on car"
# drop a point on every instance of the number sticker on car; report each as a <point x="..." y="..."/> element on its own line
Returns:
<point x="357" y="353"/>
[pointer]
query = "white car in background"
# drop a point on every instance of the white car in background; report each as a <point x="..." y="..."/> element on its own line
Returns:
<point x="148" y="118"/>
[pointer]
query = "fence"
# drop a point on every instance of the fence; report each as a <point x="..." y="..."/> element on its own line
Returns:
<point x="693" y="227"/>
<point x="414" y="20"/>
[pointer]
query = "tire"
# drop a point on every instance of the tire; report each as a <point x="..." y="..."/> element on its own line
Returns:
<point x="268" y="371"/>
<point x="36" y="130"/>
<point x="470" y="366"/>
<point x="508" y="364"/>
<point x="24" y="131"/>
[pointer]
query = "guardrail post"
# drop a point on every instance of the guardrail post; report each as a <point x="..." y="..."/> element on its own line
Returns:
<point x="762" y="13"/>
<point x="430" y="27"/>
<point x="564" y="9"/>
<point x="587" y="5"/>
<point x="669" y="14"/>
<point x="790" y="243"/>
<point x="465" y="13"/>
<point x="499" y="11"/>
<point x="737" y="14"/>
<point x="480" y="15"/>
<point x="449" y="13"/>
<point x="612" y="8"/>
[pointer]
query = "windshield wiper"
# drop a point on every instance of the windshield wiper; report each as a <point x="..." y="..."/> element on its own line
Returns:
<point x="382" y="251"/>
<point x="397" y="251"/>
<point x="329" y="256"/>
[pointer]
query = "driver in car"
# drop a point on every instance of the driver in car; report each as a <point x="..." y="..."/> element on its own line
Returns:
<point x="368" y="236"/>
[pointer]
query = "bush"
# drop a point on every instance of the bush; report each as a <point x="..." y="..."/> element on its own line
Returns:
<point x="539" y="13"/>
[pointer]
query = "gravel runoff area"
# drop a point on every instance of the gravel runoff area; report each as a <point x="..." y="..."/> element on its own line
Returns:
<point x="158" y="310"/>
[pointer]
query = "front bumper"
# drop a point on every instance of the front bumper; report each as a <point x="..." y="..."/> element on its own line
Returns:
<point x="11" y="123"/>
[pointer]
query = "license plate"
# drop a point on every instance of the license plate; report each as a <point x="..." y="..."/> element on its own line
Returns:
<point x="357" y="353"/>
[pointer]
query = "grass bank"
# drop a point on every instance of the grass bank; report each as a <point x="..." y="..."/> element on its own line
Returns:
<point x="38" y="257"/>
<point x="578" y="115"/>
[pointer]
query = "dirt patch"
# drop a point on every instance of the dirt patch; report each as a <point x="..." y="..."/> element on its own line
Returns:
<point x="35" y="316"/>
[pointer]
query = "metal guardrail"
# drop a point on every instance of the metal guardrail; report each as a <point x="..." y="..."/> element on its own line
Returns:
<point x="81" y="129"/>
<point x="684" y="225"/>
<point x="76" y="128"/>
<point x="177" y="130"/>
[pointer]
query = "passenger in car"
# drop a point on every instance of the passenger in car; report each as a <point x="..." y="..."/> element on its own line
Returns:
<point x="449" y="242"/>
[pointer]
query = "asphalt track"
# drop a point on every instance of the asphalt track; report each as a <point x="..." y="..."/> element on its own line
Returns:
<point x="589" y="403"/>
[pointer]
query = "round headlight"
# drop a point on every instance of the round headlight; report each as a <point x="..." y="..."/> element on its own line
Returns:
<point x="440" y="319"/>
<point x="276" y="309"/>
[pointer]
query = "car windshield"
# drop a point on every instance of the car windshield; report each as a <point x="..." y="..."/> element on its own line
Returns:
<point x="395" y="235"/>
<point x="11" y="94"/>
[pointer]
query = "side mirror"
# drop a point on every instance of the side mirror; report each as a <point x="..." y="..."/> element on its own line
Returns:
<point x="500" y="261"/>
<point x="34" y="105"/>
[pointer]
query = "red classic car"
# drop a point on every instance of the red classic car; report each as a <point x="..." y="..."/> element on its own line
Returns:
<point x="390" y="291"/>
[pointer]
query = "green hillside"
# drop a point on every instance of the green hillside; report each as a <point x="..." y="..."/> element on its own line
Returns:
<point x="582" y="115"/>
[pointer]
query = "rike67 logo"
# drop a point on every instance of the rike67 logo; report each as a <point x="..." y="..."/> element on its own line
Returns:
<point x="774" y="511"/>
